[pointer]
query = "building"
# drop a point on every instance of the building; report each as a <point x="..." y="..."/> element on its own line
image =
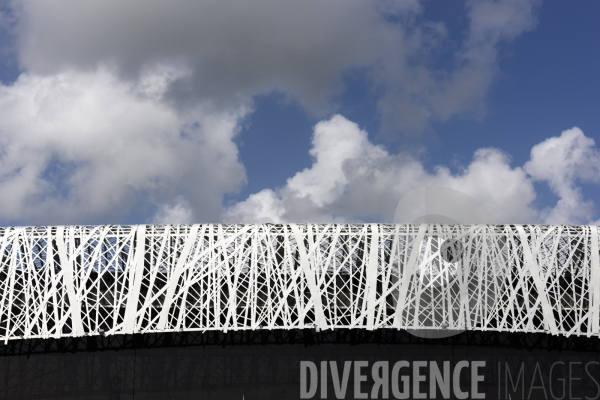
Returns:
<point x="233" y="310"/>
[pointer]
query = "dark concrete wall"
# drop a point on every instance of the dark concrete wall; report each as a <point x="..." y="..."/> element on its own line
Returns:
<point x="266" y="365"/>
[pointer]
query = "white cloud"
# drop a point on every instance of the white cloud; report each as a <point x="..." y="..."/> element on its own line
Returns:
<point x="506" y="191"/>
<point x="83" y="147"/>
<point x="80" y="147"/>
<point x="352" y="179"/>
<point x="334" y="142"/>
<point x="262" y="207"/>
<point x="563" y="162"/>
<point x="237" y="49"/>
<point x="130" y="109"/>
<point x="180" y="212"/>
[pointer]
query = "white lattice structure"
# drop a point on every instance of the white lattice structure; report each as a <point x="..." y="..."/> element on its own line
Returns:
<point x="88" y="280"/>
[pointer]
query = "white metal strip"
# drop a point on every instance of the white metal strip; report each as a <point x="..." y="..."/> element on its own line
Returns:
<point x="310" y="276"/>
<point x="595" y="281"/>
<point x="68" y="280"/>
<point x="174" y="278"/>
<point x="408" y="274"/>
<point x="136" y="274"/>
<point x="537" y="279"/>
<point x="371" y="288"/>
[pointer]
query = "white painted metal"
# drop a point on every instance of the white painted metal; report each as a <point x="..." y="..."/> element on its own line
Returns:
<point x="87" y="280"/>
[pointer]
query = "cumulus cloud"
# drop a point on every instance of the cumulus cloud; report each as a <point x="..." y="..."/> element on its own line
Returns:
<point x="127" y="110"/>
<point x="79" y="147"/>
<point x="352" y="179"/>
<point x="563" y="162"/>
<point x="237" y="49"/>
<point x="180" y="212"/>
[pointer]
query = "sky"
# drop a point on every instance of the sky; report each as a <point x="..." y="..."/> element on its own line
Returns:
<point x="198" y="111"/>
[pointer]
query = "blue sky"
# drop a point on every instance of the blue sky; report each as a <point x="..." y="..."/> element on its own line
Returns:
<point x="320" y="111"/>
